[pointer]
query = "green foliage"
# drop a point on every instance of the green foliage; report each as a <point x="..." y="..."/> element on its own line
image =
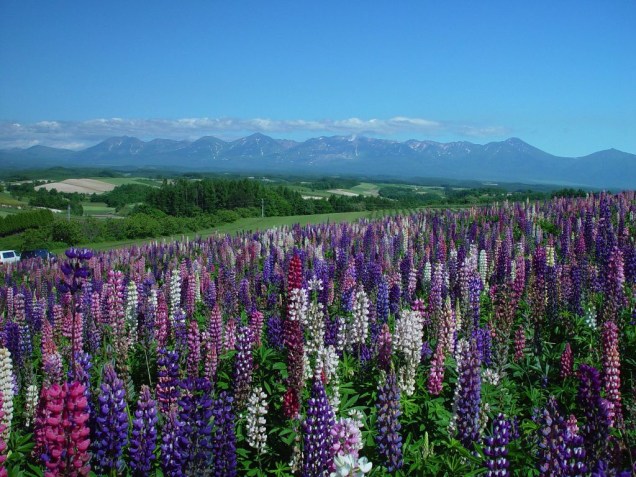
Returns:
<point x="22" y="221"/>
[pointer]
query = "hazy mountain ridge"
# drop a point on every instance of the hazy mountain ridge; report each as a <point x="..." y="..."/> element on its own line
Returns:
<point x="511" y="160"/>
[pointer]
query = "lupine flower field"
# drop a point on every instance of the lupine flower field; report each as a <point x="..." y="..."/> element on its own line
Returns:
<point x="489" y="341"/>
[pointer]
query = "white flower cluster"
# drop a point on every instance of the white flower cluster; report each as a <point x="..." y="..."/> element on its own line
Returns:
<point x="315" y="284"/>
<point x="590" y="317"/>
<point x="7" y="388"/>
<point x="255" y="422"/>
<point x="31" y="403"/>
<point x="348" y="466"/>
<point x="175" y="291"/>
<point x="483" y="267"/>
<point x="550" y="258"/>
<point x="132" y="299"/>
<point x="407" y="339"/>
<point x="297" y="308"/>
<point x="358" y="325"/>
<point x="490" y="376"/>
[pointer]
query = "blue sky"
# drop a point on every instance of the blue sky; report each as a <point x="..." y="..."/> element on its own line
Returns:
<point x="558" y="74"/>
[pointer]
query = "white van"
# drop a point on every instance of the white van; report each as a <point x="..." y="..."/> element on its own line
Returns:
<point x="9" y="256"/>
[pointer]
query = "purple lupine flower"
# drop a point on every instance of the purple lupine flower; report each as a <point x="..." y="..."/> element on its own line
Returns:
<point x="496" y="448"/>
<point x="394" y="298"/>
<point x="573" y="450"/>
<point x="467" y="407"/>
<point x="388" y="438"/>
<point x="195" y="414"/>
<point x="317" y="438"/>
<point x="613" y="286"/>
<point x="384" y="348"/>
<point x="224" y="438"/>
<point x="168" y="379"/>
<point x="382" y="303"/>
<point x="174" y="446"/>
<point x="143" y="440"/>
<point x="243" y="365"/>
<point x="180" y="330"/>
<point x="550" y="435"/>
<point x="111" y="422"/>
<point x="599" y="412"/>
<point x="274" y="332"/>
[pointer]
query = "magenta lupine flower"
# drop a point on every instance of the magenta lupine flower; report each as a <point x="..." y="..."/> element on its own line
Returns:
<point x="567" y="361"/>
<point x="317" y="438"/>
<point x="612" y="369"/>
<point x="436" y="375"/>
<point x="194" y="349"/>
<point x="162" y="322"/>
<point x="520" y="343"/>
<point x="293" y="340"/>
<point x="256" y="324"/>
<point x="65" y="436"/>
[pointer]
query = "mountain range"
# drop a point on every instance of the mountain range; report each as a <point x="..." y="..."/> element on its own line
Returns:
<point x="511" y="160"/>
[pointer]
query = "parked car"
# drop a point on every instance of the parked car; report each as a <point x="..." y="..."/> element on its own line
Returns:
<point x="9" y="256"/>
<point x="42" y="253"/>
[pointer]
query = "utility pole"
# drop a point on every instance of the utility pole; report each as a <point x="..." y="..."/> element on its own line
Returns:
<point x="262" y="207"/>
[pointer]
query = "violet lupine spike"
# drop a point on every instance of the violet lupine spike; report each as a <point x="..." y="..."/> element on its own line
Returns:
<point x="195" y="414"/>
<point x="384" y="348"/>
<point x="174" y="446"/>
<point x="317" y="438"/>
<point x="111" y="423"/>
<point x="224" y="437"/>
<point x="599" y="412"/>
<point x="573" y="452"/>
<point x="143" y="439"/>
<point x="567" y="362"/>
<point x="388" y="438"/>
<point x="243" y="365"/>
<point x="467" y="409"/>
<point x="614" y="300"/>
<point x="168" y="379"/>
<point x="550" y="441"/>
<point x="496" y="448"/>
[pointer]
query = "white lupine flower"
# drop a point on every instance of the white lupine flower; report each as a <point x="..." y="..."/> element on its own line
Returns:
<point x="7" y="387"/>
<point x="490" y="376"/>
<point x="483" y="266"/>
<point x="408" y="341"/>
<point x="31" y="403"/>
<point x="131" y="311"/>
<point x="358" y="326"/>
<point x="427" y="272"/>
<point x="590" y="317"/>
<point x="255" y="423"/>
<point x="549" y="251"/>
<point x="175" y="291"/>
<point x="315" y="284"/>
<point x="297" y="308"/>
<point x="348" y="466"/>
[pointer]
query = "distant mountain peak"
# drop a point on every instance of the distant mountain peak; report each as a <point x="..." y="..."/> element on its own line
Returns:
<point x="511" y="160"/>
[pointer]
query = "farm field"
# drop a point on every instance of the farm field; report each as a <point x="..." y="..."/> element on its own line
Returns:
<point x="479" y="341"/>
<point x="84" y="186"/>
